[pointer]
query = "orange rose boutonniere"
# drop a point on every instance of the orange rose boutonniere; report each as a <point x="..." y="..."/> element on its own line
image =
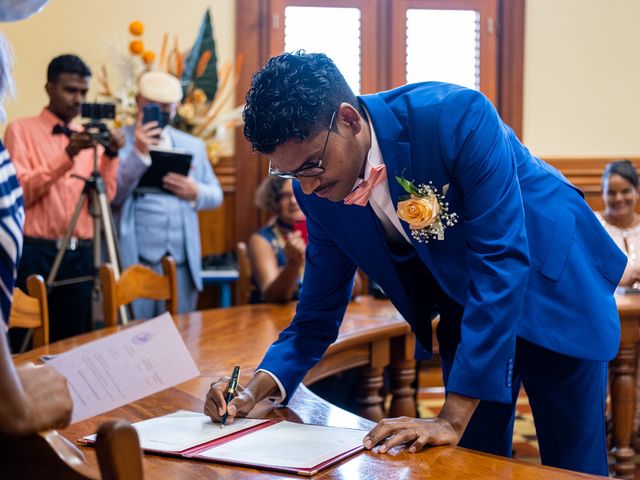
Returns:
<point x="425" y="210"/>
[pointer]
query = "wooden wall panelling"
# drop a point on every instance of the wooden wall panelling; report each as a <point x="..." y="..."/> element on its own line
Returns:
<point x="511" y="62"/>
<point x="585" y="173"/>
<point x="252" y="40"/>
<point x="217" y="226"/>
<point x="239" y="175"/>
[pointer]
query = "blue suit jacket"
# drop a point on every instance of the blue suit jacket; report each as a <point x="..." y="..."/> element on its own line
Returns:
<point x="527" y="257"/>
<point x="131" y="169"/>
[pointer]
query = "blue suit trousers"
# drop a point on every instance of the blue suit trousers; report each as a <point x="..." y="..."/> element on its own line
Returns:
<point x="567" y="397"/>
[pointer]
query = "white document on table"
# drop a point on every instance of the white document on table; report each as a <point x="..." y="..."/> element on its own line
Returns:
<point x="256" y="443"/>
<point x="287" y="444"/>
<point x="183" y="429"/>
<point x="125" y="366"/>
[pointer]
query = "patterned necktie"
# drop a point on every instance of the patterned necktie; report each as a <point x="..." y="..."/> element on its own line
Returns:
<point x="360" y="196"/>
<point x="61" y="130"/>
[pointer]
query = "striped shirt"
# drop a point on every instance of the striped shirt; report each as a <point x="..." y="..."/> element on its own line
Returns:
<point x="11" y="222"/>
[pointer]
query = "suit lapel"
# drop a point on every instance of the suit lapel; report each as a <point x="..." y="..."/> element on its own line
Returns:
<point x="396" y="153"/>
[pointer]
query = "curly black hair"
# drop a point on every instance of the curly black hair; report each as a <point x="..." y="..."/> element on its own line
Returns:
<point x="624" y="168"/>
<point x="293" y="96"/>
<point x="67" y="64"/>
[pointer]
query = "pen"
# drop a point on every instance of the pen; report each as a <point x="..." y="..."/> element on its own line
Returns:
<point x="231" y="390"/>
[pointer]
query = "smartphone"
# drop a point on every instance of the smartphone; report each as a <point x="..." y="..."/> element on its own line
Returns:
<point x="301" y="226"/>
<point x="151" y="112"/>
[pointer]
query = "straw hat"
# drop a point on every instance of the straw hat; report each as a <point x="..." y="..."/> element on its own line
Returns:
<point x="160" y="87"/>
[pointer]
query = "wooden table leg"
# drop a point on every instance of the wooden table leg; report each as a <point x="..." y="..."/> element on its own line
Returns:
<point x="370" y="382"/>
<point x="623" y="392"/>
<point x="402" y="377"/>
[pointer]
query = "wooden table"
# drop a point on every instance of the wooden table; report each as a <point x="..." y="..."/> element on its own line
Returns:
<point x="372" y="335"/>
<point x="623" y="385"/>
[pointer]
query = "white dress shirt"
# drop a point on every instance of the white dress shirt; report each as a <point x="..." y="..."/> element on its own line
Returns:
<point x="380" y="199"/>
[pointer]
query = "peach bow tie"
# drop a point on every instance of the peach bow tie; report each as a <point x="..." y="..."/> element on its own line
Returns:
<point x="360" y="195"/>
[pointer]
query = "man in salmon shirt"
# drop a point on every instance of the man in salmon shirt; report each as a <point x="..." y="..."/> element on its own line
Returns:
<point x="49" y="151"/>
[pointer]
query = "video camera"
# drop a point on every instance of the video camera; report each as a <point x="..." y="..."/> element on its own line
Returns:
<point x="96" y="112"/>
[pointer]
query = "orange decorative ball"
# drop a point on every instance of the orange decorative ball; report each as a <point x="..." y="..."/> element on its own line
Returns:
<point x="136" y="28"/>
<point x="148" y="57"/>
<point x="136" y="47"/>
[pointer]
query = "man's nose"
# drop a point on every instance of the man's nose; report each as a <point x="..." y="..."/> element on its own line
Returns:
<point x="309" y="184"/>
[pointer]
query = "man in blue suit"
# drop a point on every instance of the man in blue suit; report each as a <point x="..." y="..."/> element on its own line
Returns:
<point x="152" y="225"/>
<point x="433" y="196"/>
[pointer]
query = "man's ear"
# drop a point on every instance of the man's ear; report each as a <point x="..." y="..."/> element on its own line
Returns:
<point x="350" y="117"/>
<point x="49" y="87"/>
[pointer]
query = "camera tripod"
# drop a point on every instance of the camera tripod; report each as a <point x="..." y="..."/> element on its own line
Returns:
<point x="95" y="193"/>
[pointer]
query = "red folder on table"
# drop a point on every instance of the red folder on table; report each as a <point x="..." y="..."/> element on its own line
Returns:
<point x="257" y="443"/>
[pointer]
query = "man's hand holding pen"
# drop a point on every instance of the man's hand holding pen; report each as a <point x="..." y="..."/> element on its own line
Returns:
<point x="226" y="399"/>
<point x="231" y="392"/>
<point x="260" y="386"/>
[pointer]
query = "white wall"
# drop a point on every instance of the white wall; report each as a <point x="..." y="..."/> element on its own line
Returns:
<point x="582" y="78"/>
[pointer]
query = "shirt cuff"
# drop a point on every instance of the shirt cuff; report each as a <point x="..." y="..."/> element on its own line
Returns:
<point x="196" y="201"/>
<point x="146" y="159"/>
<point x="283" y="392"/>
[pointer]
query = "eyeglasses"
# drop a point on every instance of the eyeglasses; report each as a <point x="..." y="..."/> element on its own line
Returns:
<point x="312" y="170"/>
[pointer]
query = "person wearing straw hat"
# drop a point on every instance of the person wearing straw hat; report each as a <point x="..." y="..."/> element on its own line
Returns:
<point x="152" y="225"/>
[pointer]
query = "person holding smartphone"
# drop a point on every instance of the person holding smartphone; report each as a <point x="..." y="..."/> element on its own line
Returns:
<point x="276" y="251"/>
<point x="152" y="225"/>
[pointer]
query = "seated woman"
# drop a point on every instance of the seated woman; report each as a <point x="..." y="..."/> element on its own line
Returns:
<point x="276" y="251"/>
<point x="620" y="195"/>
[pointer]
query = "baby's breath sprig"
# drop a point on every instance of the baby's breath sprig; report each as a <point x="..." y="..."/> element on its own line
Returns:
<point x="425" y="210"/>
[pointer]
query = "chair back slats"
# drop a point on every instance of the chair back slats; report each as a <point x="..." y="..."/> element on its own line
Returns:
<point x="138" y="282"/>
<point x="141" y="282"/>
<point x="32" y="310"/>
<point x="25" y="311"/>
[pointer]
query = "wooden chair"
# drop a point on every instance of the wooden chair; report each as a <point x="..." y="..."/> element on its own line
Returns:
<point x="137" y="282"/>
<point x="50" y="455"/>
<point x="244" y="284"/>
<point x="32" y="310"/>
